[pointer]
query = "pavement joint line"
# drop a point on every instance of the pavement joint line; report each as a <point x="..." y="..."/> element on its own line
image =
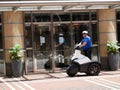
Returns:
<point x="53" y="76"/>
<point x="101" y="84"/>
<point x="2" y="87"/>
<point x="28" y="86"/>
<point x="16" y="84"/>
<point x="106" y="82"/>
<point x="12" y="88"/>
<point x="26" y="78"/>
<point x="112" y="82"/>
<point x="111" y="73"/>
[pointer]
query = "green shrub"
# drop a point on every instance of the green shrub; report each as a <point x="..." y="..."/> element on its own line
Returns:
<point x="112" y="47"/>
<point x="15" y="52"/>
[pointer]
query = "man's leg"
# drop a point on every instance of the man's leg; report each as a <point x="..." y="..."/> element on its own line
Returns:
<point x="88" y="52"/>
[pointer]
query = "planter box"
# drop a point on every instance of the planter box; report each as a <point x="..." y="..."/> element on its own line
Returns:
<point x="113" y="61"/>
<point x="17" y="67"/>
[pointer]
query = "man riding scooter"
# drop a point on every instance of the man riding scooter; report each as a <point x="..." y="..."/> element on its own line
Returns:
<point x="81" y="63"/>
<point x="86" y="44"/>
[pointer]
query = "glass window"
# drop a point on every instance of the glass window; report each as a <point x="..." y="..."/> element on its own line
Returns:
<point x="118" y="26"/>
<point x="1" y="49"/>
<point x="28" y="35"/>
<point x="118" y="15"/>
<point x="42" y="38"/>
<point x="80" y="16"/>
<point x="93" y="15"/>
<point x="95" y="42"/>
<point x="41" y="17"/>
<point x="94" y="32"/>
<point x="27" y="17"/>
<point x="61" y="17"/>
<point x="118" y="31"/>
<point x="62" y="45"/>
<point x="1" y="43"/>
<point x="78" y="28"/>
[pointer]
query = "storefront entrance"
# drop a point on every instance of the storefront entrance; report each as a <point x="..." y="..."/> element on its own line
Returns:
<point x="50" y="43"/>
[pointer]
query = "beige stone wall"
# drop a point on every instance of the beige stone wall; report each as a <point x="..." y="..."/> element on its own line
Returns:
<point x="13" y="31"/>
<point x="107" y="28"/>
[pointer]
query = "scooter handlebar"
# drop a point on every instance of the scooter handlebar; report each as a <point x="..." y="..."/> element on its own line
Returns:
<point x="77" y="47"/>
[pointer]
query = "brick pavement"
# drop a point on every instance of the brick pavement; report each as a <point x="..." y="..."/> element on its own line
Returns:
<point x="107" y="80"/>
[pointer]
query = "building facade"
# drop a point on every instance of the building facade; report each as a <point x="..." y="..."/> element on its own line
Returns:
<point x="40" y="26"/>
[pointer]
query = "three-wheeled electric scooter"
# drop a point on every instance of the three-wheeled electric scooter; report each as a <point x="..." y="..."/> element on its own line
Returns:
<point x="81" y="63"/>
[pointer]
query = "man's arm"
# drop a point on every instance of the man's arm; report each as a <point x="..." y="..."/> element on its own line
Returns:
<point x="84" y="43"/>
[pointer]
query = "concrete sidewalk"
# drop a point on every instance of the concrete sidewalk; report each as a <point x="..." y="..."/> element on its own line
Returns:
<point x="64" y="75"/>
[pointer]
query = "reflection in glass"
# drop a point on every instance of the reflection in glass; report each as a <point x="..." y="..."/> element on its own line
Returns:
<point x="29" y="60"/>
<point x="118" y="31"/>
<point x="118" y="15"/>
<point x="63" y="45"/>
<point x="61" y="17"/>
<point x="1" y="51"/>
<point x="42" y="38"/>
<point x="27" y="17"/>
<point x="93" y="15"/>
<point x="42" y="45"/>
<point x="1" y="43"/>
<point x="41" y="17"/>
<point x="80" y="16"/>
<point x="29" y="51"/>
<point x="28" y="36"/>
<point x="94" y="33"/>
<point x="118" y="27"/>
<point x="78" y="28"/>
<point x="95" y="41"/>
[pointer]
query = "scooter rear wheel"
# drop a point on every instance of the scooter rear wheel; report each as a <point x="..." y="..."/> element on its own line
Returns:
<point x="72" y="70"/>
<point x="93" y="69"/>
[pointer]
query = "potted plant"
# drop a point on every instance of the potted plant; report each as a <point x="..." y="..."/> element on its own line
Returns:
<point x="16" y="60"/>
<point x="113" y="55"/>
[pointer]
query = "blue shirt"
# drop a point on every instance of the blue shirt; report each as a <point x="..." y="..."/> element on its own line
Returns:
<point x="89" y="42"/>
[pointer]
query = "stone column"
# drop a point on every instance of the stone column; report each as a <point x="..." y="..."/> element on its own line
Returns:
<point x="107" y="32"/>
<point x="13" y="34"/>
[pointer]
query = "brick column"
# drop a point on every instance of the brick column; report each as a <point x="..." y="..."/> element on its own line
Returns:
<point x="13" y="34"/>
<point x="107" y="32"/>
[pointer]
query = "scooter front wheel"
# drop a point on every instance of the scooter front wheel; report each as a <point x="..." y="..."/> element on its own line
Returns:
<point x="72" y="70"/>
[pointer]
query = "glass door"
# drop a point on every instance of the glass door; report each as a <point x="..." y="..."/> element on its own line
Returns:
<point x="42" y="46"/>
<point x="62" y="45"/>
<point x="29" y="49"/>
<point x="38" y="47"/>
<point x="1" y="52"/>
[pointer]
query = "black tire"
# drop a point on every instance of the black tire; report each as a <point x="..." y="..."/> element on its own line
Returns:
<point x="93" y="69"/>
<point x="48" y="65"/>
<point x="72" y="70"/>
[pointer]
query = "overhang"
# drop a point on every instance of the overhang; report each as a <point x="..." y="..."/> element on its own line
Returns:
<point x="62" y="5"/>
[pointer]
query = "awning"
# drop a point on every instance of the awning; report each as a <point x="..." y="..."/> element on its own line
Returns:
<point x="64" y="5"/>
